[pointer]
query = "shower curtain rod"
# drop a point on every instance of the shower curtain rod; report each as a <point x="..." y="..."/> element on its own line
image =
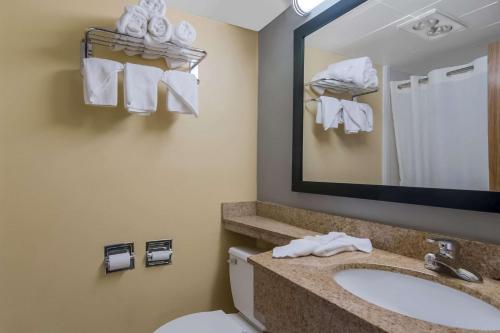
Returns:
<point x="451" y="73"/>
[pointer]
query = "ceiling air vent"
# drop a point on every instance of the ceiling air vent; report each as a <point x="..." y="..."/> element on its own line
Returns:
<point x="432" y="25"/>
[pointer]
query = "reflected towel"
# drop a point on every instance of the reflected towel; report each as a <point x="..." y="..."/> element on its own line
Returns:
<point x="100" y="81"/>
<point x="359" y="71"/>
<point x="329" y="112"/>
<point x="141" y="88"/>
<point x="358" y="117"/>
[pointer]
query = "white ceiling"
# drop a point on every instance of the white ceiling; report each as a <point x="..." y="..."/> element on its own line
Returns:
<point x="248" y="14"/>
<point x="371" y="29"/>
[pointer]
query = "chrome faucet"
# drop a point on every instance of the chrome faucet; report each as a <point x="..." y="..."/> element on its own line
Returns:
<point x="447" y="260"/>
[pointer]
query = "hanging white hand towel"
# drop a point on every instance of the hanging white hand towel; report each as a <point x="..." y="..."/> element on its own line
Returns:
<point x="359" y="71"/>
<point x="358" y="117"/>
<point x="329" y="112"/>
<point x="182" y="92"/>
<point x="141" y="88"/>
<point x="153" y="7"/>
<point x="100" y="81"/>
<point x="343" y="244"/>
<point x="184" y="34"/>
<point x="133" y="22"/>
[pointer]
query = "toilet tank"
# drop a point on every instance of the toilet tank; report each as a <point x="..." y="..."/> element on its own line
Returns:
<point x="241" y="276"/>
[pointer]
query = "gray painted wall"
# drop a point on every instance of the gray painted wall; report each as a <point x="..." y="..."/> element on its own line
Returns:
<point x="275" y="153"/>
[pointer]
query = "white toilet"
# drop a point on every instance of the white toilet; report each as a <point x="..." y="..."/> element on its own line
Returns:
<point x="241" y="276"/>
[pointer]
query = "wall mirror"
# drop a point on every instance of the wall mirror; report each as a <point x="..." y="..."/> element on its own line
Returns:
<point x="400" y="101"/>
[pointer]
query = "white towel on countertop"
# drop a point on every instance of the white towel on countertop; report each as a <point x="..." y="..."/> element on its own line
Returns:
<point x="133" y="22"/>
<point x="329" y="112"/>
<point x="141" y="88"/>
<point x="184" y="34"/>
<point x="100" y="81"/>
<point x="153" y="7"/>
<point x="322" y="246"/>
<point x="359" y="71"/>
<point x="182" y="92"/>
<point x="358" y="117"/>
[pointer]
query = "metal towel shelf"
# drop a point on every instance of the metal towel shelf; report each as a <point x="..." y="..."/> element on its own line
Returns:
<point x="118" y="41"/>
<point x="340" y="87"/>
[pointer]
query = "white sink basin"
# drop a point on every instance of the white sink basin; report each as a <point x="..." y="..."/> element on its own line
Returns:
<point x="420" y="299"/>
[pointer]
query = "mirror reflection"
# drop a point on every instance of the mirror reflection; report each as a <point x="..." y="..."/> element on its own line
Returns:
<point x="402" y="99"/>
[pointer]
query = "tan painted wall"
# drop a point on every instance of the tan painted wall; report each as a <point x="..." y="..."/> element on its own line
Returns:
<point x="333" y="156"/>
<point x="74" y="178"/>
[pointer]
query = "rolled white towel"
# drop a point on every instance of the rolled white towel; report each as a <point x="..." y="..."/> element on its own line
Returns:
<point x="359" y="71"/>
<point x="133" y="22"/>
<point x="184" y="34"/>
<point x="154" y="7"/>
<point x="159" y="31"/>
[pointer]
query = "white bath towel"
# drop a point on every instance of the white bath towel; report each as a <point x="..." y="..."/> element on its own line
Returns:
<point x="359" y="71"/>
<point x="329" y="112"/>
<point x="154" y="7"/>
<point x="159" y="31"/>
<point x="182" y="92"/>
<point x="141" y="88"/>
<point x="184" y="34"/>
<point x="358" y="117"/>
<point x="133" y="22"/>
<point x="322" y="246"/>
<point x="317" y="89"/>
<point x="100" y="81"/>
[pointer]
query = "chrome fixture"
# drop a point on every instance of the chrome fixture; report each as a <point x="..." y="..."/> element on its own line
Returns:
<point x="304" y="7"/>
<point x="159" y="252"/>
<point x="432" y="25"/>
<point x="447" y="260"/>
<point x="119" y="257"/>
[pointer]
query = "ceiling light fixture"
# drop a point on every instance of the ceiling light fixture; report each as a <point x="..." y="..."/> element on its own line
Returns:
<point x="304" y="7"/>
<point x="432" y="25"/>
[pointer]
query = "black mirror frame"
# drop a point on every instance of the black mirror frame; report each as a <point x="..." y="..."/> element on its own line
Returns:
<point x="457" y="199"/>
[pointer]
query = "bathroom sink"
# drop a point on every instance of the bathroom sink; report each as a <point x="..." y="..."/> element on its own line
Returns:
<point x="420" y="299"/>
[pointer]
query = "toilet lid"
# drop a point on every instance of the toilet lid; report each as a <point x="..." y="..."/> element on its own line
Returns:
<point x="203" y="322"/>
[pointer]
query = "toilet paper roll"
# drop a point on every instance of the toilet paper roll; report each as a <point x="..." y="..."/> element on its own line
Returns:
<point x="161" y="255"/>
<point x="119" y="261"/>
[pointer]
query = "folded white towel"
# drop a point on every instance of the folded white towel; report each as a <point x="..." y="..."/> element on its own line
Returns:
<point x="141" y="88"/>
<point x="322" y="246"/>
<point x="154" y="7"/>
<point x="100" y="81"/>
<point x="359" y="71"/>
<point x="184" y="34"/>
<point x="358" y="117"/>
<point x="182" y="92"/>
<point x="321" y="75"/>
<point x="329" y="112"/>
<point x="159" y="31"/>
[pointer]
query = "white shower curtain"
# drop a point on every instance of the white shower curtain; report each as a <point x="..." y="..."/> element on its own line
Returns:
<point x="442" y="129"/>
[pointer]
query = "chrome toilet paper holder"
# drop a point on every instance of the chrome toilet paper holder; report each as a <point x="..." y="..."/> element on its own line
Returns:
<point x="158" y="246"/>
<point x="114" y="249"/>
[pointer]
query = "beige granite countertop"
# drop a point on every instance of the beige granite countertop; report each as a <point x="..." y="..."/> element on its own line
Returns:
<point x="316" y="276"/>
<point x="278" y="225"/>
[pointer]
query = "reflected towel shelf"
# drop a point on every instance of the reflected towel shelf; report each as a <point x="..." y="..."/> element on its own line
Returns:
<point x="114" y="40"/>
<point x="340" y="87"/>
